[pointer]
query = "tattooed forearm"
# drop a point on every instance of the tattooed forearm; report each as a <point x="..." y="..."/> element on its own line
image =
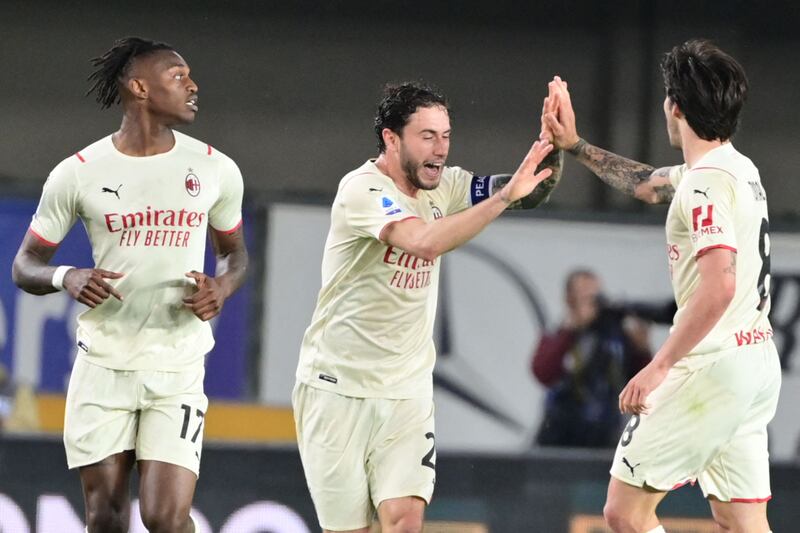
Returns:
<point x="625" y="174"/>
<point x="553" y="161"/>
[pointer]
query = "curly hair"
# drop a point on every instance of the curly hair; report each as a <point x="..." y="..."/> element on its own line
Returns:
<point x="400" y="102"/>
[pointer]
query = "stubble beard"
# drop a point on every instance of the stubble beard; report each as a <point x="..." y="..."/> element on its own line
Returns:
<point x="411" y="169"/>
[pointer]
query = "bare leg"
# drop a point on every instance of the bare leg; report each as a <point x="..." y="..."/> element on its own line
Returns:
<point x="631" y="509"/>
<point x="165" y="497"/>
<point x="740" y="517"/>
<point x="106" y="493"/>
<point x="402" y="515"/>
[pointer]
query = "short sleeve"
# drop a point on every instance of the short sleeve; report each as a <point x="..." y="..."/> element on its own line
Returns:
<point x="708" y="203"/>
<point x="370" y="204"/>
<point x="676" y="174"/>
<point x="58" y="205"/>
<point x="463" y="185"/>
<point x="226" y="213"/>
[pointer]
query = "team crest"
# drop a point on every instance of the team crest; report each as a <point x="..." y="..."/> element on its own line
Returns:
<point x="192" y="184"/>
<point x="437" y="213"/>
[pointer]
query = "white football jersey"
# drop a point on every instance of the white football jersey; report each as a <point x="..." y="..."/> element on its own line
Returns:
<point x="720" y="203"/>
<point x="147" y="218"/>
<point x="371" y="334"/>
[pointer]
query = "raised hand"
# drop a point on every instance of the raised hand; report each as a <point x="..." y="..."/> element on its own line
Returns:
<point x="89" y="285"/>
<point x="550" y="106"/>
<point x="561" y="123"/>
<point x="525" y="179"/>
<point x="207" y="302"/>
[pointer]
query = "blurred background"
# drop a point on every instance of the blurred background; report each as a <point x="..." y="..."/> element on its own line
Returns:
<point x="289" y="90"/>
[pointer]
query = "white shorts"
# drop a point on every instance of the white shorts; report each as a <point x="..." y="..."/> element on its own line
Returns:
<point x="358" y="452"/>
<point x="707" y="422"/>
<point x="158" y="414"/>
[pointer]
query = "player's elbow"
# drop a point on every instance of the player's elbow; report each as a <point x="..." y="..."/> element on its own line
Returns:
<point x="426" y="250"/>
<point x="646" y="194"/>
<point x="17" y="273"/>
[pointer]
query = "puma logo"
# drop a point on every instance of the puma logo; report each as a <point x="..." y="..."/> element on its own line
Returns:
<point x="114" y="191"/>
<point x="625" y="460"/>
<point x="704" y="193"/>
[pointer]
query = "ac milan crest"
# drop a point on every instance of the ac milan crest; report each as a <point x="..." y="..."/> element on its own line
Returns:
<point x="192" y="184"/>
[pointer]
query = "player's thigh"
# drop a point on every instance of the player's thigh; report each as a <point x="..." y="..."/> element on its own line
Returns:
<point x="404" y="513"/>
<point x="100" y="418"/>
<point x="165" y="491"/>
<point x="172" y="418"/>
<point x="634" y="505"/>
<point x="693" y="414"/>
<point x="106" y="483"/>
<point x="402" y="458"/>
<point x="333" y="432"/>
<point x="740" y="517"/>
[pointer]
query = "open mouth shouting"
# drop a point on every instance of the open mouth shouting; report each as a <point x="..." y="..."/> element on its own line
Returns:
<point x="433" y="169"/>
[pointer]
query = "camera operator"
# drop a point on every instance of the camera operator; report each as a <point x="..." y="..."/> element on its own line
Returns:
<point x="587" y="361"/>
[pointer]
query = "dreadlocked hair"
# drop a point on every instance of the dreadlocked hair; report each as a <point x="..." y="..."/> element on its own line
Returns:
<point x="114" y="64"/>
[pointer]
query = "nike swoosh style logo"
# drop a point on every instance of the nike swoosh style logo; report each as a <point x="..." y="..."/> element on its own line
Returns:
<point x="374" y="189"/>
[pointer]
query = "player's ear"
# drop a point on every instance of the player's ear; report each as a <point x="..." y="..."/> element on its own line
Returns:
<point x="675" y="110"/>
<point x="390" y="138"/>
<point x="137" y="87"/>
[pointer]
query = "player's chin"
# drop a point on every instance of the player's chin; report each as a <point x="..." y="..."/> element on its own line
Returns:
<point x="185" y="116"/>
<point x="427" y="183"/>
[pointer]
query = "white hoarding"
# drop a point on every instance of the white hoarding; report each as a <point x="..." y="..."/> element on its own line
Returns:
<point x="497" y="294"/>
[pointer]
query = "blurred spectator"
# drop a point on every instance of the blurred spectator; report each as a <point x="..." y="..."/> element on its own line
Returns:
<point x="18" y="410"/>
<point x="587" y="361"/>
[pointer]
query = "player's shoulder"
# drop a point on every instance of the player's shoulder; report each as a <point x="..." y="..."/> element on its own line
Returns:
<point x="724" y="163"/>
<point x="367" y="176"/>
<point x="455" y="176"/>
<point x="200" y="148"/>
<point x="86" y="156"/>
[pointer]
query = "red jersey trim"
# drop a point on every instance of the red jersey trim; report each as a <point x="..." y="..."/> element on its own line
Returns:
<point x="42" y="239"/>
<point x="232" y="230"/>
<point x="80" y="157"/>
<point x="209" y="149"/>
<point x="713" y="246"/>
<point x="714" y="168"/>
<point x="687" y="482"/>
<point x="751" y="500"/>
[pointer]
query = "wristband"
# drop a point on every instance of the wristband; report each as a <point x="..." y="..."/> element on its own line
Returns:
<point x="58" y="276"/>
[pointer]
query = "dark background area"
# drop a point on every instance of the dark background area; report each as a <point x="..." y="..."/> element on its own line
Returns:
<point x="288" y="89"/>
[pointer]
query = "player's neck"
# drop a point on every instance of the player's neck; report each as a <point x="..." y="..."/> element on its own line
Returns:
<point x="694" y="148"/>
<point x="140" y="138"/>
<point x="392" y="169"/>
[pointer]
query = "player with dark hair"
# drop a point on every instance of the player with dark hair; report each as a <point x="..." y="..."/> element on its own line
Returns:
<point x="701" y="407"/>
<point x="363" y="401"/>
<point x="147" y="196"/>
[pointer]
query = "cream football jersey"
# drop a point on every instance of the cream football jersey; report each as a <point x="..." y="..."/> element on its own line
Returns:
<point x="371" y="334"/>
<point x="147" y="218"/>
<point x="720" y="203"/>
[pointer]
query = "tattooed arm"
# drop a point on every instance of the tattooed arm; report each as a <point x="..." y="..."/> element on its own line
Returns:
<point x="642" y="181"/>
<point x="646" y="183"/>
<point x="555" y="162"/>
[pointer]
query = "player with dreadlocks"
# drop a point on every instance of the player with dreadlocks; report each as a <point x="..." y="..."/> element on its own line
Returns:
<point x="148" y="196"/>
